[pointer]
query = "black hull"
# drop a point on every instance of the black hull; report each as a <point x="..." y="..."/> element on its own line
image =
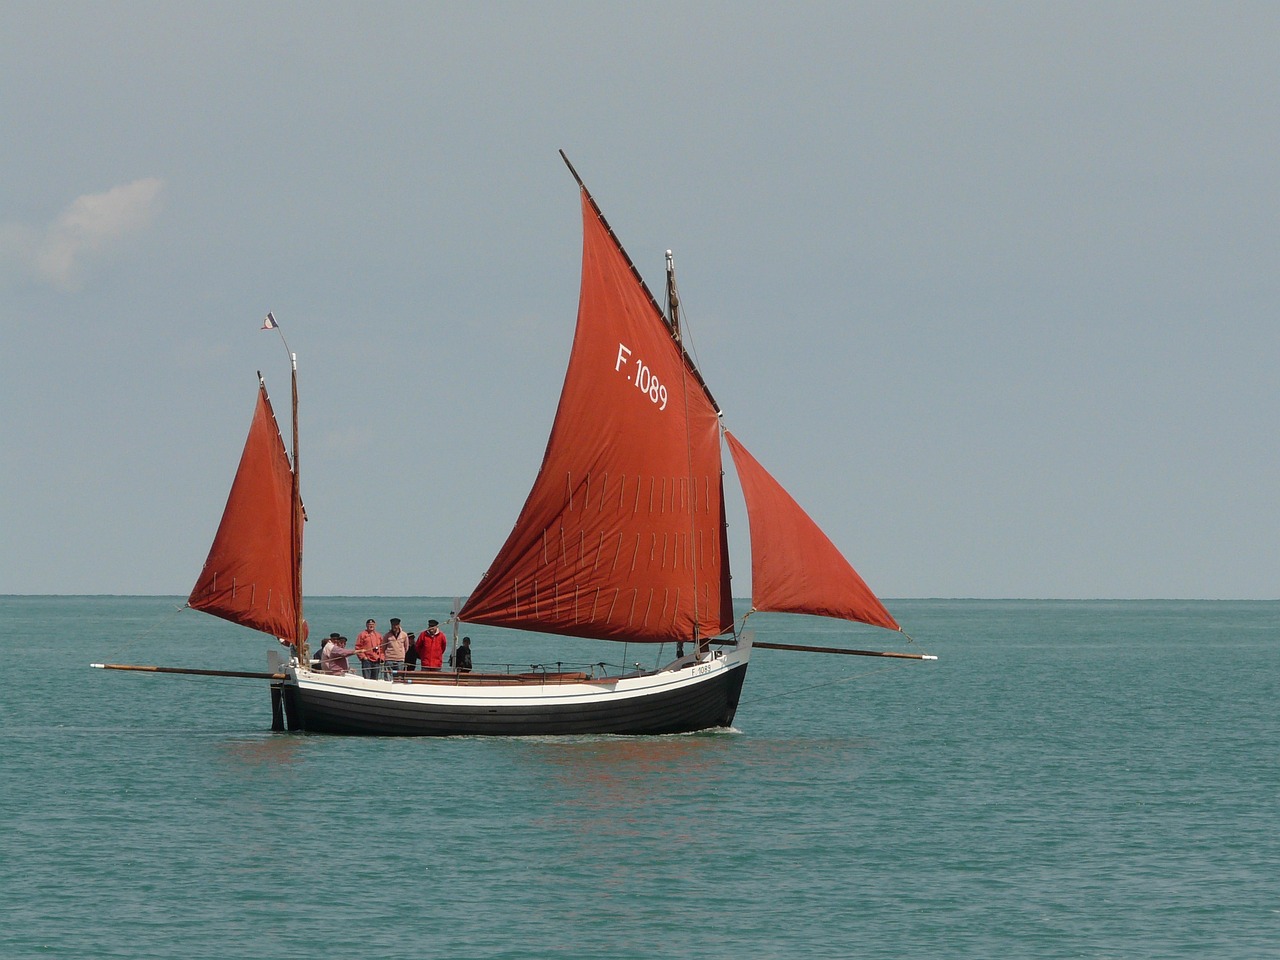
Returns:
<point x="700" y="706"/>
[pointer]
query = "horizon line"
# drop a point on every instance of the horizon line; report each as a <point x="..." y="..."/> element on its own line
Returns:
<point x="409" y="596"/>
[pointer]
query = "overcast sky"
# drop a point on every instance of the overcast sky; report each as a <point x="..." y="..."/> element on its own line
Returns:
<point x="991" y="289"/>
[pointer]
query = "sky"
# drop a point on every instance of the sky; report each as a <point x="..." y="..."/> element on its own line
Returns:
<point x="990" y="288"/>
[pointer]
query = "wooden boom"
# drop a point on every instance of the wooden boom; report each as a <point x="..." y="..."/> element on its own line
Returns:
<point x="186" y="670"/>
<point x="851" y="653"/>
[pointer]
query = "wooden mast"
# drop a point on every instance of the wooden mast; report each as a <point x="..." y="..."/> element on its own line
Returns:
<point x="673" y="300"/>
<point x="297" y="517"/>
<point x="296" y="528"/>
<point x="673" y="321"/>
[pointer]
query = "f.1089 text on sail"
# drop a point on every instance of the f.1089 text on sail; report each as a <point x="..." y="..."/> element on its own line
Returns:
<point x="645" y="380"/>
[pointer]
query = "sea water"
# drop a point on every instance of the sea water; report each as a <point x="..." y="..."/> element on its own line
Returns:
<point x="1070" y="779"/>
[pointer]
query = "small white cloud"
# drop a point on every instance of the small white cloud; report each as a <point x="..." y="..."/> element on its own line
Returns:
<point x="91" y="227"/>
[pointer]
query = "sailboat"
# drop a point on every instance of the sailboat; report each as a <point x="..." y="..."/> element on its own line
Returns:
<point x="622" y="538"/>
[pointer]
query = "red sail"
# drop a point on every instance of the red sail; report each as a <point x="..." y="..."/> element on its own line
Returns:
<point x="249" y="576"/>
<point x="623" y="535"/>
<point x="794" y="567"/>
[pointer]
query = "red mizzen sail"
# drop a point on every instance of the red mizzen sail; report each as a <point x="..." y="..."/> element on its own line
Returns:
<point x="795" y="568"/>
<point x="250" y="576"/>
<point x="622" y="536"/>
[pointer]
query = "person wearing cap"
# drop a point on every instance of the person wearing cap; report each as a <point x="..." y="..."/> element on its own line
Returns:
<point x="431" y="643"/>
<point x="394" y="645"/>
<point x="334" y="653"/>
<point x="462" y="662"/>
<point x="410" y="650"/>
<point x="369" y="650"/>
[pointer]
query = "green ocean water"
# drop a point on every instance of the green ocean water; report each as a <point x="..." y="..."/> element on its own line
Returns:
<point x="1071" y="779"/>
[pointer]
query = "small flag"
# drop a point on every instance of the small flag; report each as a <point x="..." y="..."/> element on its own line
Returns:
<point x="270" y="323"/>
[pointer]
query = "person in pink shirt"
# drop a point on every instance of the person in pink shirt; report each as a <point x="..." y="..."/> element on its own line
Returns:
<point x="369" y="650"/>
<point x="431" y="643"/>
<point x="394" y="645"/>
<point x="334" y="653"/>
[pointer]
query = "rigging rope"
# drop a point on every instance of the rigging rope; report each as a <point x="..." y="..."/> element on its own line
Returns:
<point x="172" y="615"/>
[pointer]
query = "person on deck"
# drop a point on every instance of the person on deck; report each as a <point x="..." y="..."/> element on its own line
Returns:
<point x="369" y="650"/>
<point x="411" y="651"/>
<point x="394" y="645"/>
<point x="334" y="653"/>
<point x="462" y="659"/>
<point x="431" y="644"/>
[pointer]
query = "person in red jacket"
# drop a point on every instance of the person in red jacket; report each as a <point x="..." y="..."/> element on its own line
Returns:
<point x="431" y="644"/>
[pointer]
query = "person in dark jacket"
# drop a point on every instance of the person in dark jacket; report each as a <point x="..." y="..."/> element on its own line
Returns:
<point x="462" y="659"/>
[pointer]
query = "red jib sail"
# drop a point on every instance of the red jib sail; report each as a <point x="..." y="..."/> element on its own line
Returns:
<point x="795" y="568"/>
<point x="250" y="575"/>
<point x="622" y="536"/>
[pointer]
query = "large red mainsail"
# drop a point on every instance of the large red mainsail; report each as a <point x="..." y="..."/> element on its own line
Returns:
<point x="622" y="536"/>
<point x="250" y="576"/>
<point x="795" y="568"/>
